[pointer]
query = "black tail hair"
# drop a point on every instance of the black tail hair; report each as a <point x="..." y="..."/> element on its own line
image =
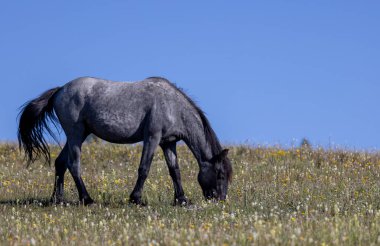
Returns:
<point x="34" y="118"/>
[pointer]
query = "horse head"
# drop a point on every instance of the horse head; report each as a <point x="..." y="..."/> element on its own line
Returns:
<point x="214" y="178"/>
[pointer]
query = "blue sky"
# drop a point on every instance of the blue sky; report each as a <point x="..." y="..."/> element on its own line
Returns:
<point x="265" y="72"/>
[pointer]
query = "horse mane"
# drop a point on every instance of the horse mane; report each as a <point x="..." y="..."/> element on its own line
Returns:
<point x="210" y="135"/>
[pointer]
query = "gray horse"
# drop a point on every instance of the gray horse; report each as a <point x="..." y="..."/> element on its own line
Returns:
<point x="154" y="111"/>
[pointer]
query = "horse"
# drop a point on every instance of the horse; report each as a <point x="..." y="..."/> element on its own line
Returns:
<point x="153" y="111"/>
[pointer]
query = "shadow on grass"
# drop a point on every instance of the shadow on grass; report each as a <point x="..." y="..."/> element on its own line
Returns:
<point x="46" y="202"/>
<point x="38" y="202"/>
<point x="41" y="202"/>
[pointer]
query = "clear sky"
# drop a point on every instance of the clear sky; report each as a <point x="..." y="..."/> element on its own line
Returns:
<point x="265" y="72"/>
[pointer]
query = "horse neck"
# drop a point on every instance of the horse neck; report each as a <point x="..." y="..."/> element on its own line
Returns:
<point x="199" y="146"/>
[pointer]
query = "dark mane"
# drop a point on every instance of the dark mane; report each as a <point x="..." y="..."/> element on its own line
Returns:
<point x="211" y="137"/>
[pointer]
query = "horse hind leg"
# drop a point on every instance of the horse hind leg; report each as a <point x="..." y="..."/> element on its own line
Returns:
<point x="60" y="169"/>
<point x="170" y="153"/>
<point x="73" y="164"/>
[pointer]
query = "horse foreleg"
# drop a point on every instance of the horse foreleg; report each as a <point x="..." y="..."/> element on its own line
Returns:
<point x="150" y="145"/>
<point x="60" y="169"/>
<point x="170" y="153"/>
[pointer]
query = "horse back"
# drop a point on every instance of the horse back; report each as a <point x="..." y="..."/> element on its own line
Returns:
<point x="123" y="112"/>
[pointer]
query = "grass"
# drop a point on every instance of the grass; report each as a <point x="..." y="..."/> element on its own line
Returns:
<point x="278" y="197"/>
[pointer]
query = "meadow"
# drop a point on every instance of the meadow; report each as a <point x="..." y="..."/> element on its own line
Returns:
<point x="296" y="196"/>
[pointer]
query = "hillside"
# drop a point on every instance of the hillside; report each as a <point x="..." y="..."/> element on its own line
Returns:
<point x="277" y="196"/>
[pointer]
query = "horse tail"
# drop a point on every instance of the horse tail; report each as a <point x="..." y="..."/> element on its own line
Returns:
<point x="34" y="120"/>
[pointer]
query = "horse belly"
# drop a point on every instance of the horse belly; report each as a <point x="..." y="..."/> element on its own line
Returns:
<point x="117" y="127"/>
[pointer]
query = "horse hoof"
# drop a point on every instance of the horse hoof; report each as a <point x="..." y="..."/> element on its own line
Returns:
<point x="138" y="202"/>
<point x="86" y="202"/>
<point x="56" y="200"/>
<point x="183" y="202"/>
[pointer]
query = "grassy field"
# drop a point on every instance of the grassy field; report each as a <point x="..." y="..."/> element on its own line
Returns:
<point x="277" y="197"/>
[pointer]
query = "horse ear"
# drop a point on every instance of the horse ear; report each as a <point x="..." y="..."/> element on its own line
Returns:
<point x="220" y="157"/>
<point x="224" y="153"/>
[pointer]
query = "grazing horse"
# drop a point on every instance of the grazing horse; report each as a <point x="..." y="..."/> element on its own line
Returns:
<point x="153" y="111"/>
